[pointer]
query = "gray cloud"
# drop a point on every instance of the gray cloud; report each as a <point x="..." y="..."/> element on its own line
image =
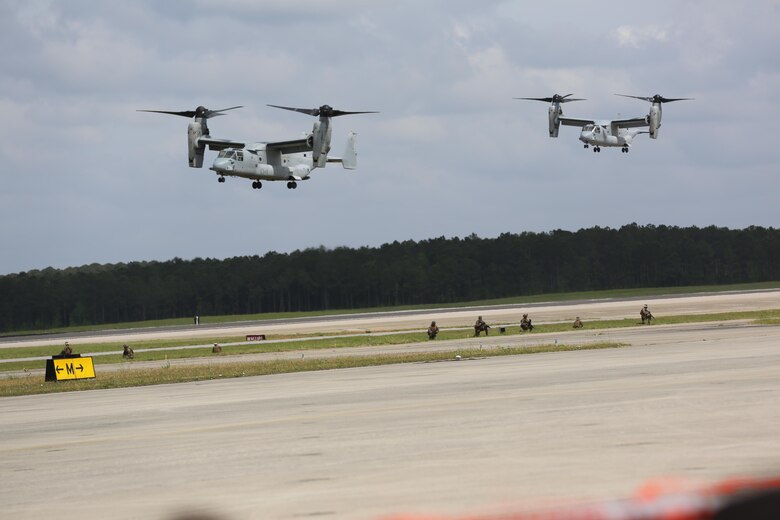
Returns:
<point x="88" y="179"/>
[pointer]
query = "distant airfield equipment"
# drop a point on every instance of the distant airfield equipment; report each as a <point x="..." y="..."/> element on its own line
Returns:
<point x="290" y="161"/>
<point x="610" y="133"/>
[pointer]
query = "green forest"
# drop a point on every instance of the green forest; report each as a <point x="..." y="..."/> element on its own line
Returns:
<point x="434" y="271"/>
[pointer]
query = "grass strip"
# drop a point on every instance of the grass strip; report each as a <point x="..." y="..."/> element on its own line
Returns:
<point x="28" y="385"/>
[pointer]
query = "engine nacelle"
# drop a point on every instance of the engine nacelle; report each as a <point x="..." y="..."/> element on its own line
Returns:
<point x="654" y="120"/>
<point x="196" y="151"/>
<point x="321" y="133"/>
<point x="555" y="123"/>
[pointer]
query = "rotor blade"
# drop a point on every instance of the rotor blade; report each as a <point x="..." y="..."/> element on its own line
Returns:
<point x="345" y="113"/>
<point x="554" y="99"/>
<point x="308" y="111"/>
<point x="669" y="100"/>
<point x="183" y="113"/>
<point x="557" y="98"/>
<point x="655" y="99"/>
<point x="643" y="98"/>
<point x="212" y="113"/>
<point x="324" y="111"/>
<point x="198" y="112"/>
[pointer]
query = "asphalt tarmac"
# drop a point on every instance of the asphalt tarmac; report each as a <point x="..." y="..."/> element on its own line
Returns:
<point x="698" y="402"/>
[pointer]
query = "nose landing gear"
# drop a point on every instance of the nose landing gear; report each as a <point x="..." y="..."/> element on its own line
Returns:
<point x="221" y="179"/>
<point x="596" y="149"/>
<point x="292" y="185"/>
<point x="256" y="185"/>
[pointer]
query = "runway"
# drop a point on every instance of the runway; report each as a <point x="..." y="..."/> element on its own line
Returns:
<point x="488" y="435"/>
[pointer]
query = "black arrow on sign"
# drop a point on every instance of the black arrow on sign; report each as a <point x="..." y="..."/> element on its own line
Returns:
<point x="59" y="369"/>
<point x="80" y="367"/>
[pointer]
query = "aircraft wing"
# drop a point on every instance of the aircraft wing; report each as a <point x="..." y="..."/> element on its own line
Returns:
<point x="294" y="146"/>
<point x="571" y="121"/>
<point x="219" y="144"/>
<point x="634" y="122"/>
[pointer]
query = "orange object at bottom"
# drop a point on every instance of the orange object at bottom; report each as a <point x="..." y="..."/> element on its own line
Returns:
<point x="663" y="499"/>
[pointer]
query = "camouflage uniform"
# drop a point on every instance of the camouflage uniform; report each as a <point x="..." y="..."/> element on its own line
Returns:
<point x="480" y="326"/>
<point x="433" y="330"/>
<point x="525" y="323"/>
<point x="646" y="315"/>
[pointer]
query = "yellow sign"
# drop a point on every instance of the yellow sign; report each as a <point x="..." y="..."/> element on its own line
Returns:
<point x="74" y="368"/>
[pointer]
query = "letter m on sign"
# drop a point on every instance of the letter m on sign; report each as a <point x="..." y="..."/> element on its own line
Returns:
<point x="69" y="368"/>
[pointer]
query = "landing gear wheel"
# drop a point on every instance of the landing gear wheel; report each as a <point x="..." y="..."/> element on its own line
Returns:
<point x="586" y="145"/>
<point x="625" y="149"/>
<point x="596" y="149"/>
<point x="292" y="185"/>
<point x="221" y="179"/>
<point x="256" y="185"/>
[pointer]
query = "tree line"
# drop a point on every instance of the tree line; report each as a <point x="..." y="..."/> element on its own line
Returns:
<point x="434" y="271"/>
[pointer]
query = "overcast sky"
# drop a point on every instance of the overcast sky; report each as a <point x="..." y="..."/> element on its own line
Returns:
<point x="87" y="179"/>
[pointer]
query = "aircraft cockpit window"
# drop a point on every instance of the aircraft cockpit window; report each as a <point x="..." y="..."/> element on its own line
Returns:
<point x="588" y="128"/>
<point x="239" y="156"/>
<point x="226" y="154"/>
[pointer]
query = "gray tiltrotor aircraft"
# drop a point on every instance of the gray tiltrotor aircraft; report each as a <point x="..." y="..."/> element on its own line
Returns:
<point x="615" y="132"/>
<point x="290" y="161"/>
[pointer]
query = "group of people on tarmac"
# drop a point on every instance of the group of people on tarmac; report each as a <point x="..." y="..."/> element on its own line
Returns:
<point x="526" y="325"/>
<point x="481" y="326"/>
<point x="127" y="352"/>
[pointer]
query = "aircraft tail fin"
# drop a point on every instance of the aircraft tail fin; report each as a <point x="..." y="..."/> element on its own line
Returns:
<point x="349" y="160"/>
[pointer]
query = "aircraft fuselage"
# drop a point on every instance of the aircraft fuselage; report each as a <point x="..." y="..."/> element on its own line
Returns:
<point x="257" y="163"/>
<point x="599" y="135"/>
